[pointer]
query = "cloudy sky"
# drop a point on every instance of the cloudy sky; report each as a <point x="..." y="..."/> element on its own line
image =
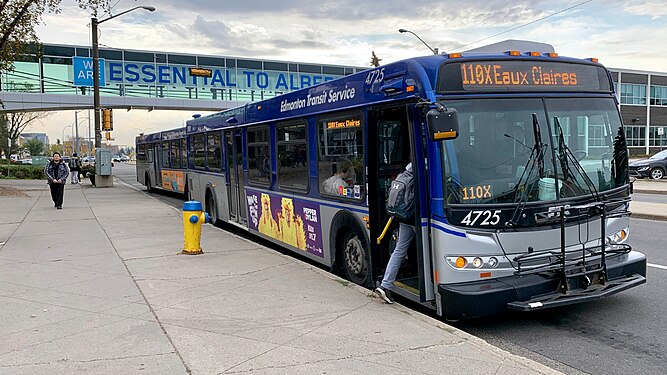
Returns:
<point x="622" y="34"/>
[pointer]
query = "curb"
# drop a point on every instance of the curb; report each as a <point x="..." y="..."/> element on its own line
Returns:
<point x="635" y="215"/>
<point x="646" y="191"/>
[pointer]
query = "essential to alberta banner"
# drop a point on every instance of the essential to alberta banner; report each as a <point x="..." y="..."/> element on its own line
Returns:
<point x="293" y="221"/>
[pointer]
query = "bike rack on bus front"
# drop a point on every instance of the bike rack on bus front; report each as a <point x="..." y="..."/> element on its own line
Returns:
<point x="582" y="272"/>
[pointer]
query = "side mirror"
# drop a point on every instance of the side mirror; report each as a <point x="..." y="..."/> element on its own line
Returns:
<point x="442" y="125"/>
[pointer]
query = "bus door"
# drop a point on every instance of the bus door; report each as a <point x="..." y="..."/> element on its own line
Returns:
<point x="235" y="188"/>
<point x="391" y="146"/>
<point x="158" y="164"/>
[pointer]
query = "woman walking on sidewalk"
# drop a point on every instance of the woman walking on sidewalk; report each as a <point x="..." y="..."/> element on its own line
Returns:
<point x="56" y="174"/>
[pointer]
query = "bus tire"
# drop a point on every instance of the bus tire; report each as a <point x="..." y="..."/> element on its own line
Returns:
<point x="352" y="250"/>
<point x="211" y="209"/>
<point x="186" y="192"/>
<point x="147" y="181"/>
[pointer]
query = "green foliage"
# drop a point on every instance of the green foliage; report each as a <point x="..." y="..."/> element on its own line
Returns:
<point x="23" y="172"/>
<point x="18" y="19"/>
<point x="87" y="169"/>
<point x="35" y="147"/>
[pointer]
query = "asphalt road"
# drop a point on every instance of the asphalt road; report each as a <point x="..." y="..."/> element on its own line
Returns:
<point x="652" y="198"/>
<point x="623" y="334"/>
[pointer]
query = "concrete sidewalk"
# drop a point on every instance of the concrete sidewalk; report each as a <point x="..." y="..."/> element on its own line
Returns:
<point x="100" y="287"/>
<point x="649" y="210"/>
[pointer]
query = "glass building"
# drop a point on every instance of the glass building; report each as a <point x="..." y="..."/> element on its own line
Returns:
<point x="643" y="98"/>
<point x="60" y="69"/>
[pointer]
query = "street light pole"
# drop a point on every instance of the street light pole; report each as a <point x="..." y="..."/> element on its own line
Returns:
<point x="96" y="83"/>
<point x="76" y="125"/>
<point x="434" y="50"/>
<point x="63" y="139"/>
<point x="96" y="70"/>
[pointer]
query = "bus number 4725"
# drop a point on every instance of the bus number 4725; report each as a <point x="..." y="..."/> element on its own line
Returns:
<point x="488" y="217"/>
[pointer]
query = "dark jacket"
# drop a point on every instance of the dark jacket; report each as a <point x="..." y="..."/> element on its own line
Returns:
<point x="57" y="172"/>
<point x="75" y="164"/>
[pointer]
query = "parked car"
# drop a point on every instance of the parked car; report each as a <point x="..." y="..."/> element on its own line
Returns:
<point x="27" y="161"/>
<point x="654" y="167"/>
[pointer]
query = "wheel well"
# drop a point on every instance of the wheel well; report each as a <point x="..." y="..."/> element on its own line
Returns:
<point x="207" y="195"/>
<point x="342" y="224"/>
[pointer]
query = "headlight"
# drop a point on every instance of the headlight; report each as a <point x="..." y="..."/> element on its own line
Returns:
<point x="618" y="237"/>
<point x="475" y="262"/>
<point x="642" y="169"/>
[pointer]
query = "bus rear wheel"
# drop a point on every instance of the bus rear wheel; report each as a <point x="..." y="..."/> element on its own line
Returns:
<point x="355" y="258"/>
<point x="211" y="209"/>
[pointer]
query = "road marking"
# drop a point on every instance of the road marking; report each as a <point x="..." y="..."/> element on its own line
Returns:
<point x="657" y="266"/>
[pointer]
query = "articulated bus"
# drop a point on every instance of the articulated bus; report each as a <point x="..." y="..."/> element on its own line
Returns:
<point x="521" y="178"/>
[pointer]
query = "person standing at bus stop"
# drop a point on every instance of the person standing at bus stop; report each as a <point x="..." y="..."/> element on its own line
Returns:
<point x="56" y="174"/>
<point x="75" y="167"/>
<point x="406" y="230"/>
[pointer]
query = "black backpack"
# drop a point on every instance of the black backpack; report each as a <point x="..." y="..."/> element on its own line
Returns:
<point x="401" y="200"/>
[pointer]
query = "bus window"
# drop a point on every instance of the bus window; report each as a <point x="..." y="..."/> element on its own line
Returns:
<point x="199" y="147"/>
<point x="164" y="149"/>
<point x="292" y="156"/>
<point x="141" y="153"/>
<point x="184" y="154"/>
<point x="214" y="151"/>
<point x="173" y="153"/>
<point x="341" y="156"/>
<point x="259" y="158"/>
<point x="149" y="153"/>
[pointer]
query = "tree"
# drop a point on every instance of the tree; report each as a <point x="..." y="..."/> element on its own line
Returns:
<point x="35" y="147"/>
<point x="4" y="135"/>
<point x="56" y="148"/>
<point x="18" y="19"/>
<point x="17" y="122"/>
<point x="375" y="61"/>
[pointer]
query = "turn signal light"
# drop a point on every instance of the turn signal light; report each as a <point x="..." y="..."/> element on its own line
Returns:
<point x="461" y="262"/>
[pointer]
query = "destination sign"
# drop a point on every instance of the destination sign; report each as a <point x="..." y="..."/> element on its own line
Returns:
<point x="348" y="123"/>
<point x="522" y="75"/>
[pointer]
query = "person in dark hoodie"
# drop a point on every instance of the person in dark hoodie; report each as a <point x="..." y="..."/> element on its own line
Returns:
<point x="56" y="173"/>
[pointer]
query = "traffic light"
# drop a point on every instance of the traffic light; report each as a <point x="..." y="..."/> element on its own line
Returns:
<point x="107" y="136"/>
<point x="107" y="119"/>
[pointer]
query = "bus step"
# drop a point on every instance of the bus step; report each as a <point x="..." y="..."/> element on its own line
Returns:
<point x="577" y="295"/>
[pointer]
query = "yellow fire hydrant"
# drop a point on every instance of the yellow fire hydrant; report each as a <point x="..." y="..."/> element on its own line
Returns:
<point x="193" y="218"/>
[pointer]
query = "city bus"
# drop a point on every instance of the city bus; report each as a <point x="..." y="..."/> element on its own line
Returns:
<point x="161" y="160"/>
<point x="521" y="178"/>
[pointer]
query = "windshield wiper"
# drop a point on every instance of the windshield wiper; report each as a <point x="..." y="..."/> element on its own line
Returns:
<point x="565" y="155"/>
<point x="536" y="158"/>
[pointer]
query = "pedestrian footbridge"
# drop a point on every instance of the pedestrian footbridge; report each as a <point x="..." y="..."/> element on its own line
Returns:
<point x="59" y="77"/>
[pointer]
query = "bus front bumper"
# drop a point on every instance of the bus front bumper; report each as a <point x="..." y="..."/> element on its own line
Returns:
<point x="535" y="291"/>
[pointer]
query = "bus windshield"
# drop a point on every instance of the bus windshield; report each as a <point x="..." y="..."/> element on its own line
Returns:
<point x="497" y="158"/>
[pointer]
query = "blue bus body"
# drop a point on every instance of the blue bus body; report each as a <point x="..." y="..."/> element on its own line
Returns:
<point x="525" y="208"/>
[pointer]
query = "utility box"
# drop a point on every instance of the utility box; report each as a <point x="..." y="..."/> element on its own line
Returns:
<point x="103" y="162"/>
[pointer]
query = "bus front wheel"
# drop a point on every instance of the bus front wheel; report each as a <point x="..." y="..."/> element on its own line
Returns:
<point x="355" y="258"/>
<point x="147" y="181"/>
